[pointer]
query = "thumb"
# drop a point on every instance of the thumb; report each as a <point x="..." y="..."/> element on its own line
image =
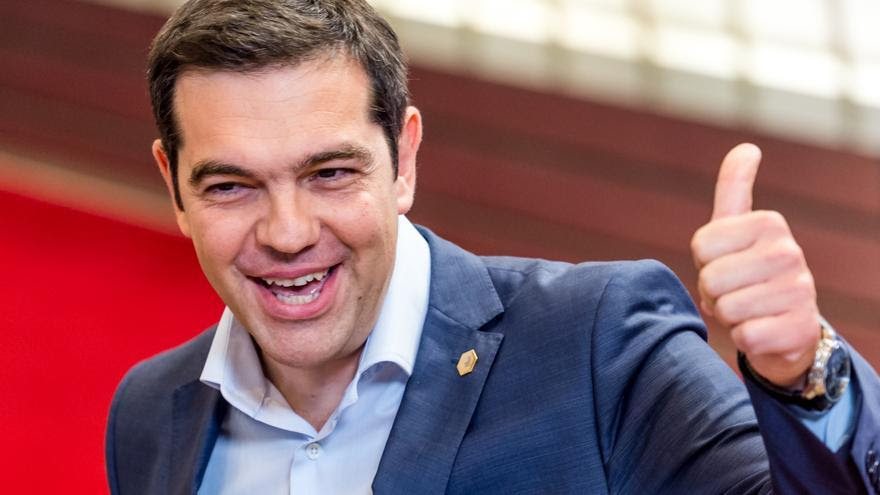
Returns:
<point x="733" y="191"/>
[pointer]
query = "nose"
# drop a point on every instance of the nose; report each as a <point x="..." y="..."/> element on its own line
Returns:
<point x="290" y="224"/>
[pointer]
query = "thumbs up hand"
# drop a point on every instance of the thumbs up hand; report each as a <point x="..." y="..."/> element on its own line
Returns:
<point x="754" y="279"/>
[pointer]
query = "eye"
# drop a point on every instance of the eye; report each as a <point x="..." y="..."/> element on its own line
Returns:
<point x="223" y="188"/>
<point x="330" y="174"/>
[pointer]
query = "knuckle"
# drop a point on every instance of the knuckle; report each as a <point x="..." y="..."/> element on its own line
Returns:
<point x="794" y="249"/>
<point x="707" y="284"/>
<point x="772" y="220"/>
<point x="786" y="254"/>
<point x="698" y="247"/>
<point x="744" y="336"/>
<point x="804" y="287"/>
<point x="725" y="311"/>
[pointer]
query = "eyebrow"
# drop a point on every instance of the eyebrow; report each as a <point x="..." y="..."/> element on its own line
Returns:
<point x="208" y="168"/>
<point x="345" y="151"/>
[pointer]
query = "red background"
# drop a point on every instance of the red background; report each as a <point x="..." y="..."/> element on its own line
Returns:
<point x="82" y="299"/>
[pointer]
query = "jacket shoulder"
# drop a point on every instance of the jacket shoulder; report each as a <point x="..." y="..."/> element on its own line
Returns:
<point x="570" y="283"/>
<point x="146" y="389"/>
<point x="139" y="422"/>
<point x="596" y="309"/>
<point x="173" y="367"/>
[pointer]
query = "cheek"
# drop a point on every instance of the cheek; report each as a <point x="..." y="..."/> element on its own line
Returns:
<point x="366" y="223"/>
<point x="218" y="239"/>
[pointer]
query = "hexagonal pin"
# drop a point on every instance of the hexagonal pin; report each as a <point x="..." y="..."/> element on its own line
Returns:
<point x="466" y="362"/>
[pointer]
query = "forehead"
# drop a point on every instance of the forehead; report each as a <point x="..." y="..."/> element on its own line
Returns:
<point x="327" y="94"/>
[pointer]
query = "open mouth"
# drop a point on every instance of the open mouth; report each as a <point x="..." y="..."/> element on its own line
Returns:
<point x="299" y="290"/>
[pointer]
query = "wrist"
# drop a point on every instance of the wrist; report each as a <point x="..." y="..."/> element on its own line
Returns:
<point x="824" y="382"/>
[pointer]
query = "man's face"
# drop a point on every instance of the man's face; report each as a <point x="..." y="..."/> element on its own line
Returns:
<point x="291" y="202"/>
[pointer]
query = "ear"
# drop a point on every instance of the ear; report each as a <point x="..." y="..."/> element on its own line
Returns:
<point x="407" y="147"/>
<point x="165" y="169"/>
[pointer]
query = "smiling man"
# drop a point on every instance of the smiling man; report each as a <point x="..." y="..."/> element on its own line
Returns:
<point x="293" y="205"/>
<point x="358" y="353"/>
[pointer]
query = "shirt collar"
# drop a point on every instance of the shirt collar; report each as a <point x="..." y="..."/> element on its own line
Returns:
<point x="395" y="338"/>
<point x="233" y="365"/>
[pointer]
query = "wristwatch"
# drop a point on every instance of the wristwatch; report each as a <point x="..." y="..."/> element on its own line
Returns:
<point x="827" y="379"/>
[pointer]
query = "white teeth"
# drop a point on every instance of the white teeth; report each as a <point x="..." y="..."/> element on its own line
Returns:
<point x="297" y="282"/>
<point x="298" y="299"/>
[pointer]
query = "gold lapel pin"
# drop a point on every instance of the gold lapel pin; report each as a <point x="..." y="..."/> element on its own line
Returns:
<point x="466" y="362"/>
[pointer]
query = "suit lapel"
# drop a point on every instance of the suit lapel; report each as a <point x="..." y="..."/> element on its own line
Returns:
<point x="438" y="403"/>
<point x="196" y="418"/>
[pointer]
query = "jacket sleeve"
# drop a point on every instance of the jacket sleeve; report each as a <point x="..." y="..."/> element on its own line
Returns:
<point x="801" y="463"/>
<point x="674" y="417"/>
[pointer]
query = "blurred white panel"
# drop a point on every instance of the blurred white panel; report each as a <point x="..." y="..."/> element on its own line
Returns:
<point x="526" y="20"/>
<point x="699" y="97"/>
<point x="708" y="13"/>
<point x="804" y="22"/>
<point x="604" y="78"/>
<point x="431" y="44"/>
<point x="807" y="71"/>
<point x="441" y="12"/>
<point x="711" y="53"/>
<point x="602" y="31"/>
<point x="818" y="121"/>
<point x="613" y="4"/>
<point x="862" y="26"/>
<point x="865" y="87"/>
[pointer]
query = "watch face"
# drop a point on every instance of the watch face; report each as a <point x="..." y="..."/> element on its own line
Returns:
<point x="837" y="373"/>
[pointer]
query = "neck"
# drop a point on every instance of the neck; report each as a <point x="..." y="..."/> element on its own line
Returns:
<point x="314" y="393"/>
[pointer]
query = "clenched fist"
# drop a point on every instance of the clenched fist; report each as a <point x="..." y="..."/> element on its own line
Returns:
<point x="754" y="279"/>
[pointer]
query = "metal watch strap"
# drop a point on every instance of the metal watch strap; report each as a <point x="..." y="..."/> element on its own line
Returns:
<point x="815" y="386"/>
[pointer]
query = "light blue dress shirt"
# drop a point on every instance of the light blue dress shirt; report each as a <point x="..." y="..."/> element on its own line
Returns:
<point x="834" y="426"/>
<point x="265" y="447"/>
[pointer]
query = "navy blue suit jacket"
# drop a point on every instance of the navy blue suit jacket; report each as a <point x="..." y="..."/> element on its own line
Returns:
<point x="591" y="378"/>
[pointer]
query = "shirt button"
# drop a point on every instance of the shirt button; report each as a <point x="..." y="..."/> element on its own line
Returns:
<point x="313" y="450"/>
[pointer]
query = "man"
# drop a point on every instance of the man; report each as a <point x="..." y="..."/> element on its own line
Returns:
<point x="359" y="353"/>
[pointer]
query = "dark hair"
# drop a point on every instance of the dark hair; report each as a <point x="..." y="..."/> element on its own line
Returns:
<point x="236" y="35"/>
